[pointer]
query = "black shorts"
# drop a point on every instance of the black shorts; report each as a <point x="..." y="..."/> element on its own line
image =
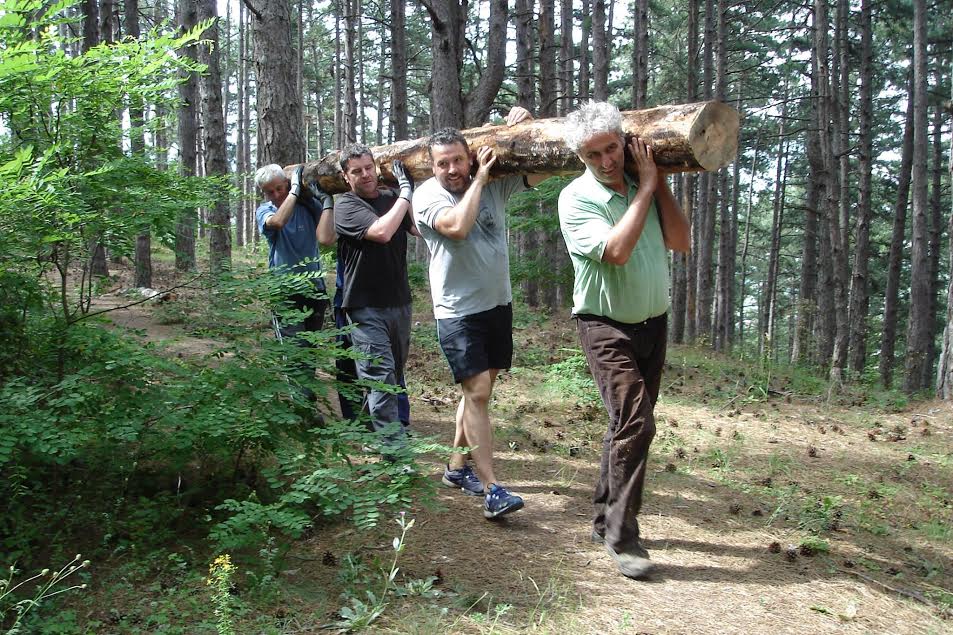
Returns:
<point x="478" y="342"/>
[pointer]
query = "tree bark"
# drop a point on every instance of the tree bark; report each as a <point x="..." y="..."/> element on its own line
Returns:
<point x="546" y="28"/>
<point x="566" y="60"/>
<point x="687" y="137"/>
<point x="895" y="259"/>
<point x="640" y="53"/>
<point x="477" y="104"/>
<point x="918" y="324"/>
<point x="213" y="131"/>
<point x="137" y="145"/>
<point x="189" y="98"/>
<point x="351" y="18"/>
<point x="600" y="58"/>
<point x="859" y="292"/>
<point x="398" y="69"/>
<point x="278" y="103"/>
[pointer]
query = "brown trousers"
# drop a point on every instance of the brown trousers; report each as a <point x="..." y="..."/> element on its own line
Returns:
<point x="626" y="363"/>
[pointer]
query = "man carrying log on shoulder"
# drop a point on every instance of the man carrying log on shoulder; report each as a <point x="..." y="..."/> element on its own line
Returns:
<point x="372" y="224"/>
<point x="462" y="218"/>
<point x="294" y="218"/>
<point x="618" y="228"/>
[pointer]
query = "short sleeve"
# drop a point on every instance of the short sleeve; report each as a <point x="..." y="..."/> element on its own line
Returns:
<point x="265" y="211"/>
<point x="584" y="225"/>
<point x="428" y="202"/>
<point x="352" y="217"/>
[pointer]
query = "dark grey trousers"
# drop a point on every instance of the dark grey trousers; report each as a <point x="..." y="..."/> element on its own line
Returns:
<point x="383" y="335"/>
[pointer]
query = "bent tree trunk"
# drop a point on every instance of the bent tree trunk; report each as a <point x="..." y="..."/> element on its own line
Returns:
<point x="684" y="138"/>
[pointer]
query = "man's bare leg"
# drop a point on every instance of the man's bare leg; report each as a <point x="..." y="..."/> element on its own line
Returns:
<point x="473" y="425"/>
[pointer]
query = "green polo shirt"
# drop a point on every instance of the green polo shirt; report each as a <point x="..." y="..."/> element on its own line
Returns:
<point x="629" y="293"/>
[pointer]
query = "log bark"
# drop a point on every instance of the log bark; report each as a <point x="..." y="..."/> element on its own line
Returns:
<point x="685" y="138"/>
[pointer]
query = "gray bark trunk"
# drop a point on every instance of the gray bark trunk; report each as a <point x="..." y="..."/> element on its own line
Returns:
<point x="280" y="138"/>
<point x="213" y="131"/>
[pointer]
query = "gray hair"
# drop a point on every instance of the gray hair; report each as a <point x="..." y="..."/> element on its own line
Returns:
<point x="268" y="173"/>
<point x="595" y="117"/>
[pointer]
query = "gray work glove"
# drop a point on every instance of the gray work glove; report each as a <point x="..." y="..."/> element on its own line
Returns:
<point x="296" y="181"/>
<point x="326" y="200"/>
<point x="404" y="181"/>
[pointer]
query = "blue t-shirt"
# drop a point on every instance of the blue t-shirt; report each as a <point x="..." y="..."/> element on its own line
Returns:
<point x="296" y="241"/>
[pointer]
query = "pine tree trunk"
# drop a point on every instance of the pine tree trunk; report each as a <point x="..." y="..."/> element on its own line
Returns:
<point x="278" y="102"/>
<point x="240" y="168"/>
<point x="188" y="110"/>
<point x="859" y="292"/>
<point x="351" y="18"/>
<point x="640" y="53"/>
<point x="547" y="59"/>
<point x="895" y="259"/>
<point x="585" y="68"/>
<point x="213" y="131"/>
<point x="918" y="323"/>
<point x="447" y="21"/>
<point x="936" y="234"/>
<point x="600" y="57"/>
<point x="689" y="185"/>
<point x="137" y="146"/>
<point x="398" y="36"/>
<point x="566" y="102"/>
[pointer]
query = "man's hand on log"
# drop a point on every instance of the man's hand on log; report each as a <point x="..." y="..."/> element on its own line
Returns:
<point x="646" y="169"/>
<point x="518" y="114"/>
<point x="326" y="200"/>
<point x="485" y="160"/>
<point x="404" y="182"/>
<point x="296" y="181"/>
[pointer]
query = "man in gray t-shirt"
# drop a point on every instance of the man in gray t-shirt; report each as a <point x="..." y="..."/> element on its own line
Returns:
<point x="462" y="219"/>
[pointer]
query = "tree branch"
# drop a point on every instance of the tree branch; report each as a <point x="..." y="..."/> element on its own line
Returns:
<point x="131" y="304"/>
<point x="251" y="8"/>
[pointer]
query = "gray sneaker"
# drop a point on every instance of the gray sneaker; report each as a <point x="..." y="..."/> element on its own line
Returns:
<point x="633" y="563"/>
<point x="465" y="479"/>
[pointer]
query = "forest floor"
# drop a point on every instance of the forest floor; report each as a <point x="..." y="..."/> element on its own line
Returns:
<point x="769" y="507"/>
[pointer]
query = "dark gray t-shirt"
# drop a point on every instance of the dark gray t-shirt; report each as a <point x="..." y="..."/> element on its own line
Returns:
<point x="375" y="274"/>
<point x="470" y="275"/>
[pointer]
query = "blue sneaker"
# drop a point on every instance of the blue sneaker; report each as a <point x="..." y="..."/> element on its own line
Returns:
<point x="464" y="478"/>
<point x="499" y="502"/>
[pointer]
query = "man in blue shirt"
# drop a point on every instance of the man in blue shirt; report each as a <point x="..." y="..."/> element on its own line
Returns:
<point x="294" y="221"/>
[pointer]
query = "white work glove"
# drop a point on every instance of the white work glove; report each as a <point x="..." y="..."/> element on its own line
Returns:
<point x="404" y="181"/>
<point x="296" y="181"/>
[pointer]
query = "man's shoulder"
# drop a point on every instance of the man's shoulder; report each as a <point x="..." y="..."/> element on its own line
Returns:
<point x="266" y="207"/>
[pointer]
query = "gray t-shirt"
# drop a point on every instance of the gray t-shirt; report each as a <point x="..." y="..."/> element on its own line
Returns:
<point x="470" y="275"/>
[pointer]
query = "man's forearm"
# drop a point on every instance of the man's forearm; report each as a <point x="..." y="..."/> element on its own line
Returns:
<point x="457" y="221"/>
<point x="281" y="217"/>
<point x="384" y="228"/>
<point x="625" y="234"/>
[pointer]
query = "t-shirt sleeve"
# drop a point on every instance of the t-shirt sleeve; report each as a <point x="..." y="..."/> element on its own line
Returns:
<point x="584" y="226"/>
<point x="262" y="214"/>
<point x="428" y="203"/>
<point x="512" y="185"/>
<point x="352" y="217"/>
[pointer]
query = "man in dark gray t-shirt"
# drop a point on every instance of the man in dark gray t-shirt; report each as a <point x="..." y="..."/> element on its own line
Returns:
<point x="372" y="224"/>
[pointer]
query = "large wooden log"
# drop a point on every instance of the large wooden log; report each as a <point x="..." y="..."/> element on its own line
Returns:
<point x="684" y="138"/>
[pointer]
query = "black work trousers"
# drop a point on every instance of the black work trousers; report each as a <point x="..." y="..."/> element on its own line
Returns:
<point x="626" y="362"/>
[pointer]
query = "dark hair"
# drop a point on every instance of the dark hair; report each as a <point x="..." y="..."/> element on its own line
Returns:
<point x="354" y="151"/>
<point x="446" y="137"/>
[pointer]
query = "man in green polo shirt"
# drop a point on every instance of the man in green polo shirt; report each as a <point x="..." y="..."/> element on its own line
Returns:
<point x="618" y="228"/>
